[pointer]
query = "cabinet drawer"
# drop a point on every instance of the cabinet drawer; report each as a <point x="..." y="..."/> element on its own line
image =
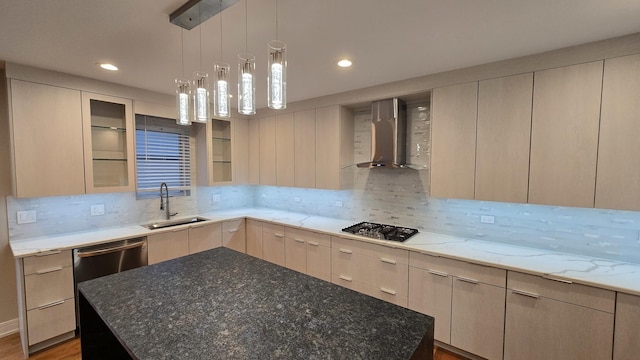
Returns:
<point x="383" y="293"/>
<point x="204" y="237"/>
<point x="50" y="321"/>
<point x="384" y="274"/>
<point x="45" y="288"/>
<point x="309" y="236"/>
<point x="232" y="225"/>
<point x="480" y="273"/>
<point x="374" y="250"/>
<point x="582" y="295"/>
<point x="272" y="228"/>
<point x="46" y="261"/>
<point x="343" y="263"/>
<point x="319" y="262"/>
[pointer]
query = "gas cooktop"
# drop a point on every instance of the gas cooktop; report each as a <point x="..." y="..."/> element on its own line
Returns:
<point x="381" y="231"/>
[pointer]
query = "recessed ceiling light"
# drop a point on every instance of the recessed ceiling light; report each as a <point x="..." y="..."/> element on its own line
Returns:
<point x="344" y="63"/>
<point x="108" y="66"/>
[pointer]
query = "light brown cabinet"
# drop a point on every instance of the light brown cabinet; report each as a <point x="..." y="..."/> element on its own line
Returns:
<point x="267" y="146"/>
<point x="273" y="243"/>
<point x="618" y="176"/>
<point x="305" y="149"/>
<point x="254" y="151"/>
<point x="234" y="235"/>
<point x="626" y="344"/>
<point x="284" y="150"/>
<point x="454" y="112"/>
<point x="221" y="152"/>
<point x="308" y="252"/>
<point x="334" y="148"/>
<point x="167" y="245"/>
<point x="240" y="144"/>
<point x="548" y="319"/>
<point x="452" y="292"/>
<point x="204" y="237"/>
<point x="564" y="135"/>
<point x="504" y="138"/>
<point x="46" y="136"/>
<point x="254" y="238"/>
<point x="109" y="134"/>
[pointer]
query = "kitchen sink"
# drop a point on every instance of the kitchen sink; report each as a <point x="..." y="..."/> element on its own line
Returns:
<point x="170" y="223"/>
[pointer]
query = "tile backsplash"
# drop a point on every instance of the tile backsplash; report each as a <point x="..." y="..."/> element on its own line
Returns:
<point x="381" y="195"/>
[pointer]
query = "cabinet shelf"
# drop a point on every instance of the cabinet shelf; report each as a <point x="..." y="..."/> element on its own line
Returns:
<point x="108" y="128"/>
<point x="106" y="159"/>
<point x="222" y="161"/>
<point x="221" y="139"/>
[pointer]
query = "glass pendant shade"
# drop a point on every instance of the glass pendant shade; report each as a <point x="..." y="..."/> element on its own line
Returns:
<point x="183" y="102"/>
<point x="201" y="107"/>
<point x="246" y="84"/>
<point x="221" y="106"/>
<point x="277" y="79"/>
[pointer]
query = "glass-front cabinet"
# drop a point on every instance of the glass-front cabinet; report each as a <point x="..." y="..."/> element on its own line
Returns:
<point x="108" y="143"/>
<point x="215" y="158"/>
<point x="221" y="150"/>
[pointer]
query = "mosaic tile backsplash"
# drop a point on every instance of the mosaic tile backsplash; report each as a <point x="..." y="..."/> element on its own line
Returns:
<point x="379" y="195"/>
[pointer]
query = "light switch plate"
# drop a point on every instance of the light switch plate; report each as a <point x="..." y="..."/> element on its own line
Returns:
<point x="26" y="217"/>
<point x="487" y="219"/>
<point x="215" y="198"/>
<point x="97" y="209"/>
<point x="339" y="203"/>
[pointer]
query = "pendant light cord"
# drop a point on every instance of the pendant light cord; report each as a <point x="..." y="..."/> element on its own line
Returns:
<point x="201" y="47"/>
<point x="246" y="37"/>
<point x="221" y="56"/>
<point x="182" y="44"/>
<point x="277" y="36"/>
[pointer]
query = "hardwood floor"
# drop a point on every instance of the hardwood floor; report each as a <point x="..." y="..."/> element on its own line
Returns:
<point x="10" y="349"/>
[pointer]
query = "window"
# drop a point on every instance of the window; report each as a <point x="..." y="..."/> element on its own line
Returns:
<point x="163" y="154"/>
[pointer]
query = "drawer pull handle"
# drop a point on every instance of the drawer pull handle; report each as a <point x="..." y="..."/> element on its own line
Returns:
<point x="438" y="273"/>
<point x="298" y="240"/>
<point x="176" y="230"/>
<point x="56" y="303"/>
<point x="198" y="226"/>
<point x="388" y="291"/>
<point x="46" y="271"/>
<point x="548" y="277"/>
<point x="524" y="293"/>
<point x="388" y="261"/>
<point x="346" y="251"/>
<point x="278" y="235"/>
<point x="346" y="278"/>
<point x="313" y="243"/>
<point x="467" y="280"/>
<point x="47" y="253"/>
<point x="233" y="230"/>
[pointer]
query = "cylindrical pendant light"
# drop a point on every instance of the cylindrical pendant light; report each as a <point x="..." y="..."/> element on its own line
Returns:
<point x="246" y="84"/>
<point x="201" y="108"/>
<point x="221" y="91"/>
<point x="183" y="102"/>
<point x="277" y="79"/>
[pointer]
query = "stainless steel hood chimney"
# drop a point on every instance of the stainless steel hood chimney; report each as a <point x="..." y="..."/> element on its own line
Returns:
<point x="388" y="134"/>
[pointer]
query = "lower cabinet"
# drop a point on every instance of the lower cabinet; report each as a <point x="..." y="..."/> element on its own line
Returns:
<point x="308" y="252"/>
<point x="273" y="243"/>
<point x="204" y="237"/>
<point x="254" y="238"/>
<point x="233" y="235"/>
<point x="167" y="245"/>
<point x="626" y="343"/>
<point x="548" y="319"/>
<point x="467" y="301"/>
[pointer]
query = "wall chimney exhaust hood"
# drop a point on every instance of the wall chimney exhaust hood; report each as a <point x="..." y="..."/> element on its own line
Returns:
<point x="388" y="134"/>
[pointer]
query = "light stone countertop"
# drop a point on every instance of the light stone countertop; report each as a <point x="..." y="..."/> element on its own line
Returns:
<point x="599" y="272"/>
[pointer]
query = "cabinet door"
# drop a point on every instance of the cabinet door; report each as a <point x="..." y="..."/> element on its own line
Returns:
<point x="108" y="143"/>
<point x="430" y="293"/>
<point x="543" y="328"/>
<point x="618" y="178"/>
<point x="305" y="148"/>
<point x="564" y="135"/>
<point x="46" y="130"/>
<point x="295" y="254"/>
<point x="204" y="237"/>
<point x="318" y="260"/>
<point x="453" y="141"/>
<point x="254" y="152"/>
<point x="240" y="151"/>
<point x="284" y="150"/>
<point x="273" y="243"/>
<point x="268" y="151"/>
<point x="233" y="235"/>
<point x="168" y="245"/>
<point x="504" y="138"/>
<point x="626" y="344"/>
<point x="334" y="147"/>
<point x="221" y="157"/>
<point x="254" y="238"/>
<point x="477" y="317"/>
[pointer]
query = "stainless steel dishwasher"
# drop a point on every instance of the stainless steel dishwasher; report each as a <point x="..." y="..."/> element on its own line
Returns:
<point x="105" y="259"/>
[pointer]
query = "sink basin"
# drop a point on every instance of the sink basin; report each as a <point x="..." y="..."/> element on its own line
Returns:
<point x="170" y="223"/>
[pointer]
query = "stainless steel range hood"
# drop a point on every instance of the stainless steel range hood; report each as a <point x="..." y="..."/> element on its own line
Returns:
<point x="388" y="134"/>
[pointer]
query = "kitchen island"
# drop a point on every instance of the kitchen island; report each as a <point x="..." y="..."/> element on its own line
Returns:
<point x="221" y="304"/>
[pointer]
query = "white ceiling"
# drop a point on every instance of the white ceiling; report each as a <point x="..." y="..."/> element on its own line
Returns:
<point x="387" y="40"/>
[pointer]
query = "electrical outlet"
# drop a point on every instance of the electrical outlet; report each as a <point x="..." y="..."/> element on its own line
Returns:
<point x="97" y="209"/>
<point x="339" y="203"/>
<point x="487" y="219"/>
<point x="296" y="199"/>
<point x="26" y="217"/>
<point x="215" y="198"/>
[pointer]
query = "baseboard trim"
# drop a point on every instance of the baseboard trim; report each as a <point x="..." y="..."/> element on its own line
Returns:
<point x="9" y="327"/>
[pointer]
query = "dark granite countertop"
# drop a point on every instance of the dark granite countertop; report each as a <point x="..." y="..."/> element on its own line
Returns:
<point x="221" y="304"/>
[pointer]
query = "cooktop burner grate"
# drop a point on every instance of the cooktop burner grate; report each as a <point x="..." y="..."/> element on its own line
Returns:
<point x="381" y="231"/>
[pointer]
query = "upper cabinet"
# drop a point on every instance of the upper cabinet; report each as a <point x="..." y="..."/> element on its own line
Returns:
<point x="305" y="148"/>
<point x="454" y="112"/>
<point x="267" y="146"/>
<point x="504" y="133"/>
<point x="46" y="135"/>
<point x="618" y="178"/>
<point x="334" y="147"/>
<point x="254" y="151"/>
<point x="108" y="143"/>
<point x="564" y="135"/>
<point x="222" y="152"/>
<point x="284" y="150"/>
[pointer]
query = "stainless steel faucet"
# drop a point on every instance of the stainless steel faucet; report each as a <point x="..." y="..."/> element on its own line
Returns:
<point x="164" y="202"/>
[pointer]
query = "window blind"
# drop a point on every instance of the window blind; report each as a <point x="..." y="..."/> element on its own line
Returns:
<point x="163" y="154"/>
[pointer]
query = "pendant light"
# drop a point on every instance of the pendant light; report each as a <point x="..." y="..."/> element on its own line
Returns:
<point x="246" y="76"/>
<point x="277" y="79"/>
<point x="201" y="107"/>
<point x="221" y="106"/>
<point x="183" y="95"/>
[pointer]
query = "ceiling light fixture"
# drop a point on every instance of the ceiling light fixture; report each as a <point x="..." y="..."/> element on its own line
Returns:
<point x="221" y="89"/>
<point x="107" y="66"/>
<point x="201" y="108"/>
<point x="344" y="63"/>
<point x="277" y="79"/>
<point x="246" y="77"/>
<point x="183" y="95"/>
